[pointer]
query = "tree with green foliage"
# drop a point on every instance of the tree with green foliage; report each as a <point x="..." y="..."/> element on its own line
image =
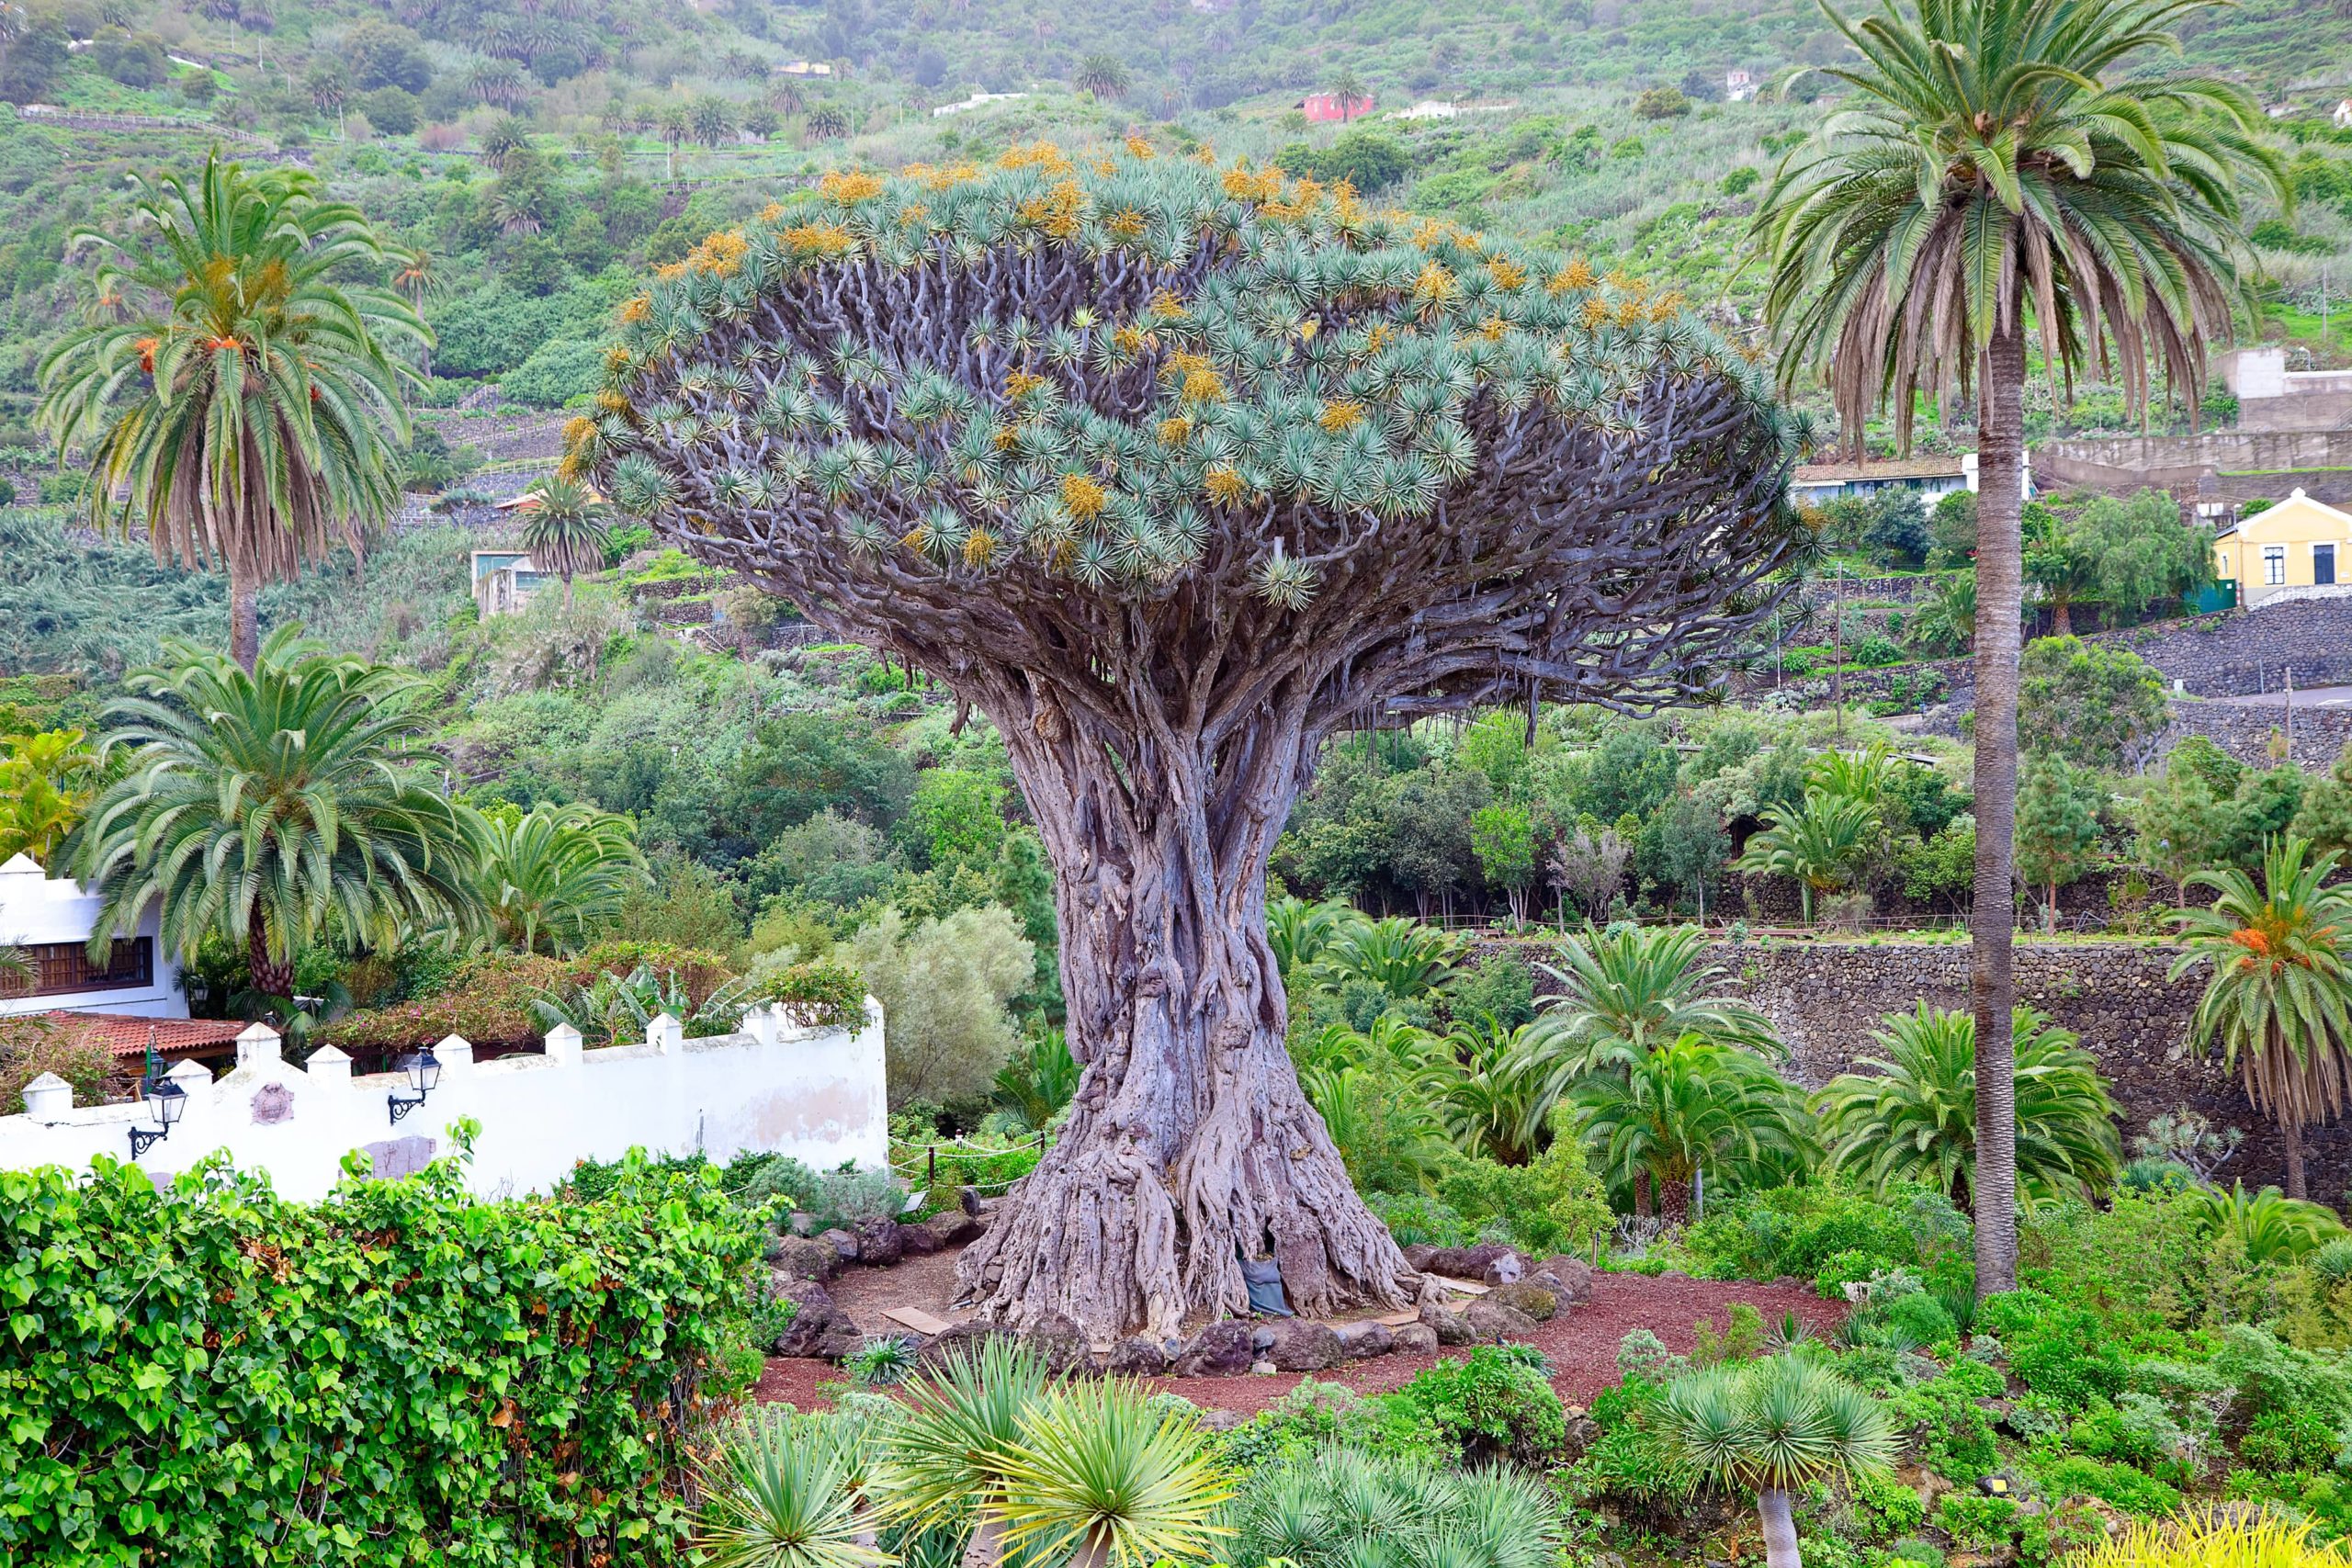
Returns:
<point x="1629" y="991"/>
<point x="1776" y="1426"/>
<point x="2093" y="703"/>
<point x="1102" y="75"/>
<point x="2324" y="819"/>
<point x="1981" y="185"/>
<point x="47" y="781"/>
<point x="1502" y="836"/>
<point x="567" y="527"/>
<point x="1909" y="1114"/>
<point x="1109" y="484"/>
<point x="1693" y="845"/>
<point x="273" y="807"/>
<point x="2279" y="986"/>
<point x="232" y="397"/>
<point x="1818" y="842"/>
<point x="957" y="814"/>
<point x="2058" y="831"/>
<point x="2187" y="821"/>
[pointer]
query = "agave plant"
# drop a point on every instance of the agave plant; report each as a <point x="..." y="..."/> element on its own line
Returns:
<point x="1773" y="1427"/>
<point x="786" y="1492"/>
<point x="1102" y="1477"/>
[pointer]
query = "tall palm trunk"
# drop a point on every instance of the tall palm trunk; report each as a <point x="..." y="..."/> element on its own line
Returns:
<point x="269" y="976"/>
<point x="2288" y="1115"/>
<point x="245" y="614"/>
<point x="1779" y="1528"/>
<point x="1992" y="917"/>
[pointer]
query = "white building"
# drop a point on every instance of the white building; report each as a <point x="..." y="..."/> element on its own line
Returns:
<point x="1738" y="86"/>
<point x="50" y="920"/>
<point x="975" y="101"/>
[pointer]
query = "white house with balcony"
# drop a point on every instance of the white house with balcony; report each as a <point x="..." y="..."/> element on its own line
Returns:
<point x="50" y="919"/>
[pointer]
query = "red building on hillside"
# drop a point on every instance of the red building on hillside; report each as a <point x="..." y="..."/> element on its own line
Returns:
<point x="1330" y="105"/>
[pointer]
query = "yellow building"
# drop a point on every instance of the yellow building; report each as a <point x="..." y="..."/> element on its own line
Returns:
<point x="2300" y="543"/>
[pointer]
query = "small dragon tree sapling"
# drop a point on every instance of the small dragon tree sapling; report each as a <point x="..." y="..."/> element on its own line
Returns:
<point x="1174" y="471"/>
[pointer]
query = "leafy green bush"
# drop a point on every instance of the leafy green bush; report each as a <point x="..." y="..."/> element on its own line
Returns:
<point x="1315" y="1415"/>
<point x="1953" y="1437"/>
<point x="1491" y="1407"/>
<point x="2063" y="1352"/>
<point x="820" y="994"/>
<point x="2059" y="1534"/>
<point x="401" y="1373"/>
<point x="2135" y="1429"/>
<point x="1884" y="1506"/>
<point x="1629" y="1459"/>
<point x="2064" y="1474"/>
<point x="1980" y="1523"/>
<point x="1415" y="1219"/>
<point x="1799" y="1229"/>
<point x="2288" y="1440"/>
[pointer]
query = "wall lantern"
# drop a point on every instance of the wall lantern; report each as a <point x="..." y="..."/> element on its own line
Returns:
<point x="424" y="1071"/>
<point x="168" y="1099"/>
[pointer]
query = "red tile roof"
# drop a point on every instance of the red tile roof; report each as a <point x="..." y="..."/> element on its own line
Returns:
<point x="127" y="1034"/>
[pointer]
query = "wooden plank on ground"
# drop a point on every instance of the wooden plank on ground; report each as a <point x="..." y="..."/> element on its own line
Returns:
<point x="917" y="1319"/>
<point x="1459" y="1286"/>
<point x="1398" y="1319"/>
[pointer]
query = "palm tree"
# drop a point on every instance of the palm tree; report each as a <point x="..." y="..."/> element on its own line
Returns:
<point x="247" y="409"/>
<point x="1345" y="88"/>
<point x="1911" y="1114"/>
<point x="827" y="122"/>
<point x="1299" y="930"/>
<point x="1494" y="1090"/>
<point x="508" y="135"/>
<point x="714" y="121"/>
<point x="17" y="971"/>
<point x="1106" y="1477"/>
<point x="1102" y="75"/>
<point x="1774" y="1427"/>
<point x="272" y="805"/>
<point x="1982" y="184"/>
<point x="1816" y="841"/>
<point x="2279" y="995"/>
<point x="555" y="876"/>
<point x="786" y="1492"/>
<point x="674" y="125"/>
<point x="1402" y="956"/>
<point x="567" y="527"/>
<point x="1634" y="989"/>
<point x="948" y="1461"/>
<point x="2264" y="1225"/>
<point x="1694" y="1109"/>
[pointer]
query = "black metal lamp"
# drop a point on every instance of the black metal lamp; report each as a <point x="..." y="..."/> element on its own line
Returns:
<point x="168" y="1099"/>
<point x="424" y="1071"/>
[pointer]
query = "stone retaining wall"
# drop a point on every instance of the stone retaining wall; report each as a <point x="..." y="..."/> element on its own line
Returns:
<point x="1826" y="998"/>
<point x="2245" y="732"/>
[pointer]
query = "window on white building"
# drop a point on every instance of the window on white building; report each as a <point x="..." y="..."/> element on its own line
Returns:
<point x="2274" y="564"/>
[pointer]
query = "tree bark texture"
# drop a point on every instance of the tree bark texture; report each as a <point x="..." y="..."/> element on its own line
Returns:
<point x="1780" y="1528"/>
<point x="244" y="616"/>
<point x="1160" y="730"/>
<point x="268" y="975"/>
<point x="1991" y="919"/>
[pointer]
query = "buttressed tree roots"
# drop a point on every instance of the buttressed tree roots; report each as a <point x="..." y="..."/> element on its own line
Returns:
<point x="1173" y="471"/>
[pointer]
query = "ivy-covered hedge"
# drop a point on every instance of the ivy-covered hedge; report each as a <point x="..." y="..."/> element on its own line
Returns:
<point x="403" y="1373"/>
<point x="820" y="994"/>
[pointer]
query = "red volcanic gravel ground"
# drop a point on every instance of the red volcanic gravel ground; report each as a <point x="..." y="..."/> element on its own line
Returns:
<point x="1581" y="1342"/>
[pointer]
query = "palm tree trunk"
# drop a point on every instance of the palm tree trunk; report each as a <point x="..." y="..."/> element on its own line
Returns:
<point x="244" y="617"/>
<point x="1780" y="1528"/>
<point x="1991" y="916"/>
<point x="268" y="975"/>
<point x="2291" y="1127"/>
<point x="2062" y="619"/>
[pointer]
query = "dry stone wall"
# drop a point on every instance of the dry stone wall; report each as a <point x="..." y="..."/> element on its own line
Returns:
<point x="1826" y="998"/>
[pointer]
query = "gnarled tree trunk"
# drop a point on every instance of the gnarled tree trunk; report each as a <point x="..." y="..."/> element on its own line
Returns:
<point x="1190" y="1145"/>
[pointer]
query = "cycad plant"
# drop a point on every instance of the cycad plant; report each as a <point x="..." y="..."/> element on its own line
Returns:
<point x="1403" y="957"/>
<point x="1989" y="182"/>
<point x="1494" y="1088"/>
<point x="555" y="876"/>
<point x="235" y="399"/>
<point x="1299" y="930"/>
<point x="1694" y="1109"/>
<point x="566" y="526"/>
<point x="2264" y="1225"/>
<point x="1815" y="842"/>
<point x="271" y="806"/>
<point x="1629" y="991"/>
<point x="2278" y="995"/>
<point x="785" y="1492"/>
<point x="1910" y="1113"/>
<point x="1773" y="1427"/>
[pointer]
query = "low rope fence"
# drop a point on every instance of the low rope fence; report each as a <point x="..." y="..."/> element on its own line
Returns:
<point x="969" y="1159"/>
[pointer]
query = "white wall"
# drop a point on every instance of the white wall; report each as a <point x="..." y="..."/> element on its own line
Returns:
<point x="36" y="907"/>
<point x="819" y="1097"/>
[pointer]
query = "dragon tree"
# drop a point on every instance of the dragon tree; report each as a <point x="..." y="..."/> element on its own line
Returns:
<point x="1173" y="471"/>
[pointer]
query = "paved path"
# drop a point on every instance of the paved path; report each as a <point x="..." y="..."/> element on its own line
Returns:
<point x="2314" y="696"/>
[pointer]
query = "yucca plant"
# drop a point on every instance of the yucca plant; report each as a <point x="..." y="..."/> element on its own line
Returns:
<point x="946" y="1463"/>
<point x="1774" y="1427"/>
<point x="1175" y="471"/>
<point x="785" y="1492"/>
<point x="1909" y="1114"/>
<point x="2278" y="994"/>
<point x="1344" y="1508"/>
<point x="1103" y="1477"/>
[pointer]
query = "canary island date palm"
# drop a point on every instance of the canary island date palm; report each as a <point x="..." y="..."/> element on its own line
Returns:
<point x="272" y="806"/>
<point x="234" y="398"/>
<point x="1815" y="842"/>
<point x="1175" y="471"/>
<point x="2278" y="987"/>
<point x="566" y="527"/>
<point x="1982" y="186"/>
<point x="1774" y="1427"/>
<point x="1629" y="991"/>
<point x="1910" y="1113"/>
<point x="1659" y="1120"/>
<point x="556" y="875"/>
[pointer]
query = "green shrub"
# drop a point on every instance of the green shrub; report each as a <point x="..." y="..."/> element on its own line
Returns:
<point x="2060" y="1351"/>
<point x="1315" y="1415"/>
<point x="1975" y="1379"/>
<point x="1922" y="1317"/>
<point x="1980" y="1523"/>
<point x="2065" y="1476"/>
<point x="1953" y="1437"/>
<point x="1491" y="1407"/>
<point x="820" y="994"/>
<point x="2288" y="1440"/>
<point x="399" y="1374"/>
<point x="1853" y="1266"/>
<point x="1415" y="1219"/>
<point x="1629" y="1459"/>
<point x="2269" y="1376"/>
<point x="2322" y="1498"/>
<point x="2057" y="1534"/>
<point x="2136" y="1428"/>
<point x="1884" y="1506"/>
